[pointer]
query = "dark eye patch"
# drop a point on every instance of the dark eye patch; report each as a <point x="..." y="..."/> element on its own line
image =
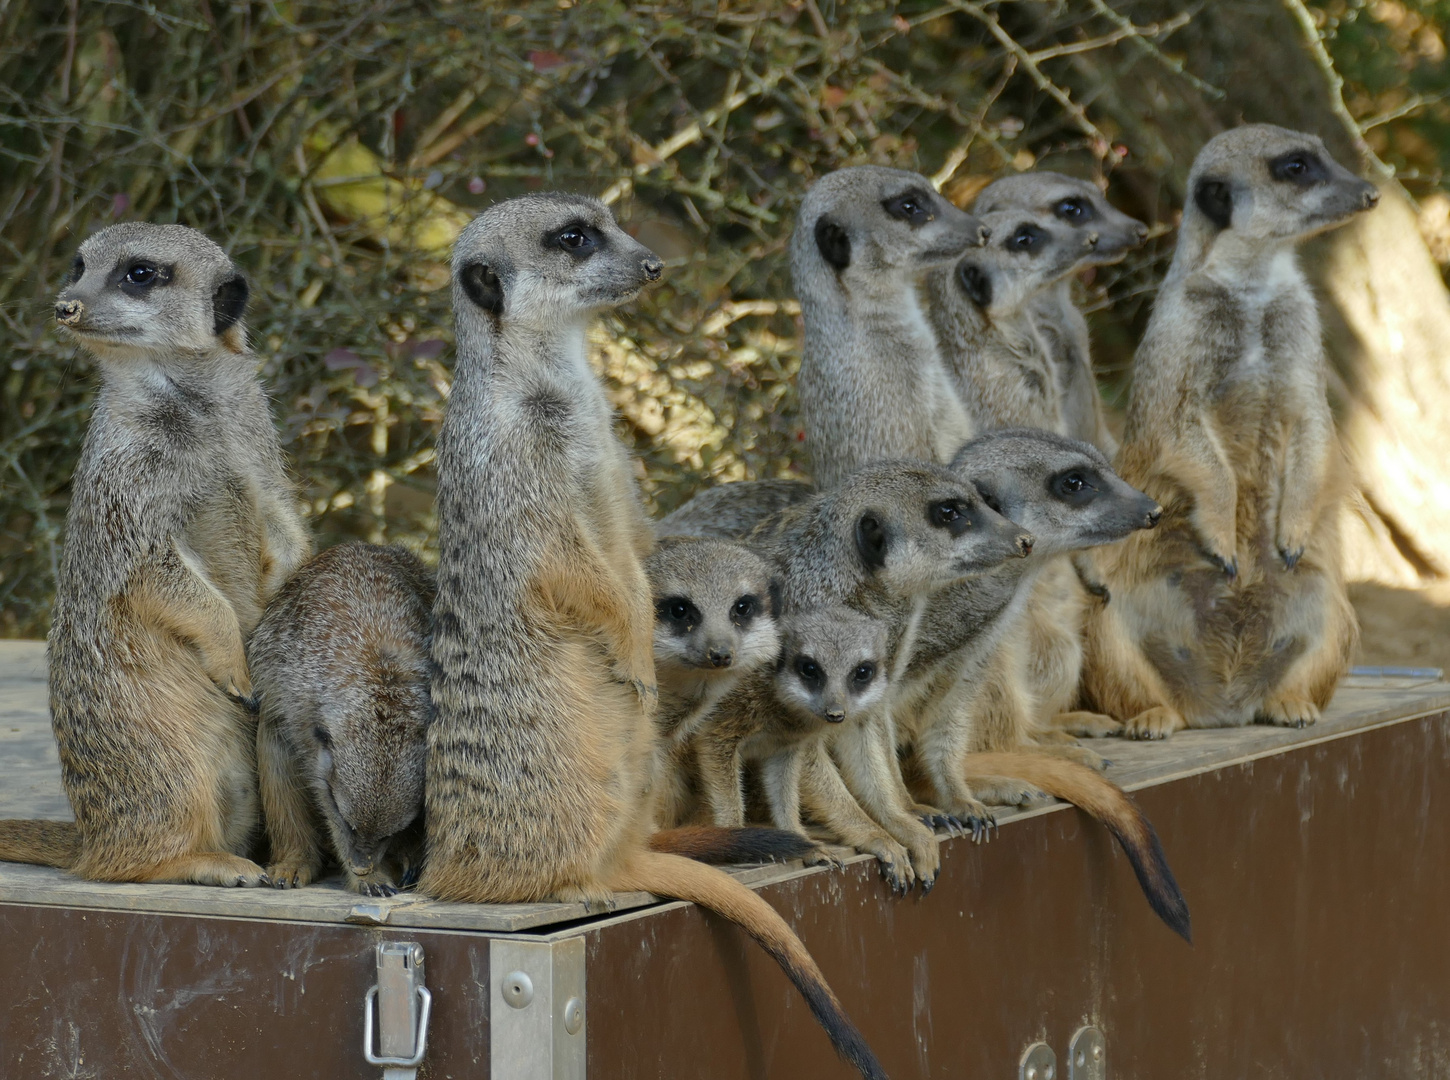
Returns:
<point x="77" y="271"/>
<point x="137" y="276"/>
<point x="1075" y="211"/>
<point x="324" y="740"/>
<point x="950" y="514"/>
<point x="809" y="672"/>
<point x="744" y="610"/>
<point x="1074" y="486"/>
<point x="678" y="613"/>
<point x="912" y="206"/>
<point x="1027" y="239"/>
<point x="578" y="239"/>
<point x="1301" y="167"/>
<point x="863" y="674"/>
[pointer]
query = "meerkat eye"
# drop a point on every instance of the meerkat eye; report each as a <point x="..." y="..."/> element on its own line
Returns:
<point x="863" y="675"/>
<point x="142" y="273"/>
<point x="911" y="207"/>
<point x="1026" y="238"/>
<point x="324" y="740"/>
<point x="809" y="671"/>
<point x="1076" y="485"/>
<point x="77" y="271"/>
<point x="578" y="240"/>
<point x="946" y="514"/>
<point x="744" y="609"/>
<point x="679" y="612"/>
<point x="1297" y="167"/>
<point x="1074" y="210"/>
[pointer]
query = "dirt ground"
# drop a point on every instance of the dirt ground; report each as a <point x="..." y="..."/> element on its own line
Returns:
<point x="1403" y="627"/>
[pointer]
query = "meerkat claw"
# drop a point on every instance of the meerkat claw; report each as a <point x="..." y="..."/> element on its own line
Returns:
<point x="1291" y="557"/>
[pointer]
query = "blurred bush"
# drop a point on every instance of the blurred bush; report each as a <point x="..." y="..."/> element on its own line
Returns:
<point x="335" y="149"/>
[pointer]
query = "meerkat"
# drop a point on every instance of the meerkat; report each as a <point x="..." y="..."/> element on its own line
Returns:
<point x="872" y="383"/>
<point x="1065" y="492"/>
<point x="181" y="528"/>
<point x="1061" y="326"/>
<point x="542" y="745"/>
<point x="980" y="310"/>
<point x="733" y="510"/>
<point x="1236" y="611"/>
<point x="880" y="543"/>
<point x="340" y="665"/>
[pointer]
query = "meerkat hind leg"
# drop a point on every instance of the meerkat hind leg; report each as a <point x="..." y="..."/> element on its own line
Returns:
<point x="1085" y="724"/>
<point x="1004" y="790"/>
<point x="207" y="868"/>
<point x="1159" y="722"/>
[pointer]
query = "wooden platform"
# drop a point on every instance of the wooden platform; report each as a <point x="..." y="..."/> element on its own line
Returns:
<point x="831" y="908"/>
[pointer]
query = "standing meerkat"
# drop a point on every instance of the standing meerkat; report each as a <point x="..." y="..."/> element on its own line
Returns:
<point x="1061" y="326"/>
<point x="340" y="665"/>
<point x="872" y="384"/>
<point x="181" y="527"/>
<point x="542" y="747"/>
<point x="1237" y="610"/>
<point x="981" y="313"/>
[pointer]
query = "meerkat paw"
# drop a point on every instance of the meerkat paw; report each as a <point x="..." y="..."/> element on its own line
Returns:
<point x="972" y="817"/>
<point x="1288" y="712"/>
<point x="238" y="687"/>
<point x="218" y="868"/>
<point x="1082" y="724"/>
<point x="935" y="819"/>
<point x="596" y="901"/>
<point x="894" y="861"/>
<point x="1005" y="791"/>
<point x="832" y="858"/>
<point x="292" y="873"/>
<point x="925" y="853"/>
<point x="1159" y="722"/>
<point x="1079" y="755"/>
<point x="1290" y="553"/>
<point x="375" y="883"/>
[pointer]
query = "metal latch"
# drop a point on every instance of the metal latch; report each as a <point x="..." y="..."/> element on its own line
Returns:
<point x="1038" y="1063"/>
<point x="403" y="1004"/>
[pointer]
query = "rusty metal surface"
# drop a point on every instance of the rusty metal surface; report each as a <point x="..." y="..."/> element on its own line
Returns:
<point x="1318" y="881"/>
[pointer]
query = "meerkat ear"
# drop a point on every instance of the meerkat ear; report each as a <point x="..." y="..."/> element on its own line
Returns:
<point x="228" y="303"/>
<point x="833" y="243"/>
<point x="976" y="283"/>
<point x="483" y="287"/>
<point x="1214" y="198"/>
<point x="871" y="541"/>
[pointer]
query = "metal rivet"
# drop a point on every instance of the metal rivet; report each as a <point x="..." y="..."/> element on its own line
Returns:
<point x="1098" y="1052"/>
<point x="573" y="1016"/>
<point x="518" y="989"/>
<point x="1032" y="1072"/>
<point x="1050" y="1073"/>
<point x="1082" y="1059"/>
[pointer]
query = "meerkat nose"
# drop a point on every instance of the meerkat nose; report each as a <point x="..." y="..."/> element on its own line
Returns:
<point x="1092" y="240"/>
<point x="983" y="235"/>
<point x="653" y="266"/>
<point x="69" y="311"/>
<point x="1024" y="545"/>
<point x="721" y="658"/>
<point x="1371" y="198"/>
<point x="835" y="716"/>
<point x="1153" y="517"/>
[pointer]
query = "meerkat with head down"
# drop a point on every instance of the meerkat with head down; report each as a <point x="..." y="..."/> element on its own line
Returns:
<point x="872" y="384"/>
<point x="340" y="665"/>
<point x="1061" y="327"/>
<point x="181" y="527"/>
<point x="542" y="749"/>
<point x="1237" y="611"/>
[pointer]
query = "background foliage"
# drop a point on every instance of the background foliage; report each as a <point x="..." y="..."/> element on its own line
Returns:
<point x="334" y="149"/>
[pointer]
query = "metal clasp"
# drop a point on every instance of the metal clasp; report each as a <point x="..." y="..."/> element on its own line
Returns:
<point x="403" y="1005"/>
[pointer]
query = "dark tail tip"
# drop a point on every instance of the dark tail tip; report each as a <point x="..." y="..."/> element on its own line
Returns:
<point x="849" y="1042"/>
<point x="718" y="845"/>
<point x="1155" y="877"/>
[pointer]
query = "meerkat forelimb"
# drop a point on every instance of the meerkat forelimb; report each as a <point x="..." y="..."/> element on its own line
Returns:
<point x="543" y="614"/>
<point x="340" y="665"/>
<point x="181" y="526"/>
<point x="872" y="383"/>
<point x="1081" y="205"/>
<point x="1237" y="610"/>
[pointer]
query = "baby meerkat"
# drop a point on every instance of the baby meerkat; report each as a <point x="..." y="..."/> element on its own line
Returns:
<point x="181" y="528"/>
<point x="1061" y="326"/>
<point x="980" y="309"/>
<point x="542" y="747"/>
<point x="1236" y="610"/>
<point x="340" y="663"/>
<point x="872" y="384"/>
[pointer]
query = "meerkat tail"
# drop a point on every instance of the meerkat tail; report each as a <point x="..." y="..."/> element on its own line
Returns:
<point x="717" y="844"/>
<point x="684" y="879"/>
<point x="44" y="843"/>
<point x="1110" y="804"/>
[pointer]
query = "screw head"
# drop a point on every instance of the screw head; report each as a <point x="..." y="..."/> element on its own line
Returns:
<point x="1098" y="1052"/>
<point x="1032" y="1072"/>
<point x="517" y="989"/>
<point x="573" y="1016"/>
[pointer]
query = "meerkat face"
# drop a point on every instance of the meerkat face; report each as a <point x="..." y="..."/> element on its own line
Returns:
<point x="833" y="664"/>
<point x="866" y="221"/>
<point x="1063" y="490"/>
<point x="916" y="528"/>
<point x="1078" y="204"/>
<point x="1267" y="183"/>
<point x="368" y="772"/>
<point x="714" y="607"/>
<point x="1027" y="253"/>
<point x="137" y="290"/>
<point x="543" y="259"/>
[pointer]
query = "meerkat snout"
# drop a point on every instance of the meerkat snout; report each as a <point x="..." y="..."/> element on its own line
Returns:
<point x="653" y="267"/>
<point x="69" y="312"/>
<point x="720" y="657"/>
<point x="1152" y="518"/>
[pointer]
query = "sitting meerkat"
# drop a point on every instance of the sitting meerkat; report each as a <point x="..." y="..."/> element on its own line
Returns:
<point x="1236" y="609"/>
<point x="872" y="384"/>
<point x="542" y="747"/>
<point x="340" y="665"/>
<point x="880" y="543"/>
<point x="981" y="312"/>
<point x="1060" y="325"/>
<point x="181" y="528"/>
